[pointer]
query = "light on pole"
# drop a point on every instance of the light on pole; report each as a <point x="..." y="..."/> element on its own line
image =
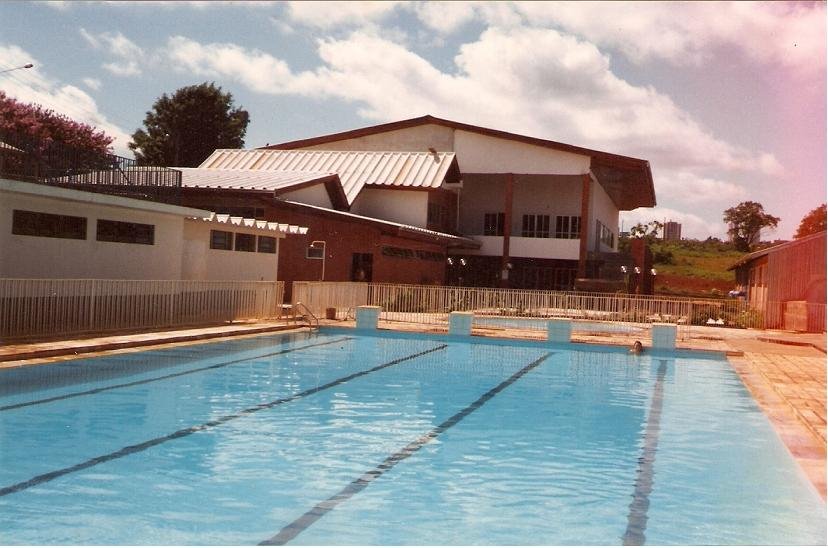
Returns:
<point x="26" y="66"/>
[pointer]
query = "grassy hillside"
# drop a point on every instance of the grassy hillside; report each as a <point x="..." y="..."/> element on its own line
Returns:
<point x="694" y="268"/>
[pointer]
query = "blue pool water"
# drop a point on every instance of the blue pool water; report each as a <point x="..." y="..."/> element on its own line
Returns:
<point x="335" y="438"/>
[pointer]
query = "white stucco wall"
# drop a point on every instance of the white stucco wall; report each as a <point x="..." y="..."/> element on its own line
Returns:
<point x="418" y="138"/>
<point x="202" y="263"/>
<point x="314" y="195"/>
<point x="400" y="206"/>
<point x="602" y="209"/>
<point x="484" y="154"/>
<point x="39" y="257"/>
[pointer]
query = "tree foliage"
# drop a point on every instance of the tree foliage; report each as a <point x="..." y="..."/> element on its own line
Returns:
<point x="813" y="222"/>
<point x="47" y="126"/>
<point x="745" y="221"/>
<point x="647" y="231"/>
<point x="183" y="129"/>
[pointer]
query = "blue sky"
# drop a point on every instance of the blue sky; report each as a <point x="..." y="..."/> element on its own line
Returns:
<point x="726" y="100"/>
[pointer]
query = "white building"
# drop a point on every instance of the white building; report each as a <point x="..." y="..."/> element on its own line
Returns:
<point x="53" y="232"/>
<point x="544" y="212"/>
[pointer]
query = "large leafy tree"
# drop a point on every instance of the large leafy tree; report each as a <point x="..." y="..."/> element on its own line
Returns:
<point x="45" y="126"/>
<point x="184" y="128"/>
<point x="745" y="221"/>
<point x="813" y="222"/>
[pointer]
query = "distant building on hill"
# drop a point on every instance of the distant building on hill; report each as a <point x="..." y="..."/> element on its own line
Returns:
<point x="672" y="230"/>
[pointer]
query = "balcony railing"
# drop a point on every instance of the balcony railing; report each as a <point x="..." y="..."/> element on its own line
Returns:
<point x="24" y="158"/>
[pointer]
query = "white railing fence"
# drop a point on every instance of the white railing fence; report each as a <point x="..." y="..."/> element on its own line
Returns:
<point x="432" y="304"/>
<point x="34" y="308"/>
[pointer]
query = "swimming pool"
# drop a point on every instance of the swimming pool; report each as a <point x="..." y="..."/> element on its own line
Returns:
<point x="339" y="438"/>
<point x="581" y="326"/>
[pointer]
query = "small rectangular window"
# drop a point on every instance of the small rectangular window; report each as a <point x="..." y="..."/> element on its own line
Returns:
<point x="493" y="224"/>
<point x="267" y="244"/>
<point x="245" y="242"/>
<point x="535" y="226"/>
<point x="125" y="233"/>
<point x="315" y="252"/>
<point x="568" y="227"/>
<point x="48" y="225"/>
<point x="219" y="239"/>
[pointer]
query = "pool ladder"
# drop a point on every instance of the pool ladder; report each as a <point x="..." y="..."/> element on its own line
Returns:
<point x="309" y="316"/>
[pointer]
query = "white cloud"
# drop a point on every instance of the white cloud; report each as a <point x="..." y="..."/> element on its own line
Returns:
<point x="33" y="86"/>
<point x="786" y="34"/>
<point x="329" y="15"/>
<point x="92" y="83"/>
<point x="692" y="226"/>
<point x="129" y="55"/>
<point x="694" y="190"/>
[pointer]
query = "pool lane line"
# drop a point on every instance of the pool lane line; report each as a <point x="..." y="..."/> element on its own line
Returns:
<point x="184" y="432"/>
<point x="293" y="529"/>
<point x="165" y="377"/>
<point x="637" y="518"/>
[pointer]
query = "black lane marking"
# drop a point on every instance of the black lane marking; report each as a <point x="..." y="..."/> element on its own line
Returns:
<point x="164" y="377"/>
<point x="637" y="518"/>
<point x="129" y="450"/>
<point x="290" y="531"/>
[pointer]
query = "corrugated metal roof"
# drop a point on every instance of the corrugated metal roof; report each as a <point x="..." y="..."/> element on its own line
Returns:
<point x="245" y="179"/>
<point x="355" y="168"/>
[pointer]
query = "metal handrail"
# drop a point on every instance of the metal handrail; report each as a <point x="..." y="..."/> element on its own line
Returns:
<point x="309" y="313"/>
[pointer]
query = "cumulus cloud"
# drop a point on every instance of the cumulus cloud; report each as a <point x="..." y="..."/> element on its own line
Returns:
<point x="692" y="226"/>
<point x="92" y="83"/>
<point x="329" y="15"/>
<point x="129" y="56"/>
<point x="693" y="189"/>
<point x="34" y="86"/>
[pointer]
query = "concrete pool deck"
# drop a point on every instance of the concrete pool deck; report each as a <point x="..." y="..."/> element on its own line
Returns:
<point x="785" y="372"/>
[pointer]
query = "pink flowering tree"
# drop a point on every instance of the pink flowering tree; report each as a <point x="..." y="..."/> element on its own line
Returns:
<point x="47" y="126"/>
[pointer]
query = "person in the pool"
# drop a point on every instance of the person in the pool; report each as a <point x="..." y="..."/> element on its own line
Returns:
<point x="637" y="348"/>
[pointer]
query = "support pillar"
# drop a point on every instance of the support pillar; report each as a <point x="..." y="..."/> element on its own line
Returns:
<point x="507" y="229"/>
<point x="585" y="199"/>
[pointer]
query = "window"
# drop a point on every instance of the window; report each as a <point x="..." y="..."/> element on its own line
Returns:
<point x="220" y="239"/>
<point x="267" y="244"/>
<point x="493" y="224"/>
<point x="605" y="235"/>
<point x="125" y="233"/>
<point x="48" y="225"/>
<point x="315" y="252"/>
<point x="245" y="242"/>
<point x="568" y="227"/>
<point x="535" y="226"/>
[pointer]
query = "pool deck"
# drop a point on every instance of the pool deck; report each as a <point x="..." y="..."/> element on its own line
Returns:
<point x="784" y="371"/>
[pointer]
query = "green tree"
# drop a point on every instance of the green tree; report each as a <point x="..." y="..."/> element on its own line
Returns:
<point x="813" y="222"/>
<point x="183" y="129"/>
<point x="647" y="231"/>
<point x="745" y="221"/>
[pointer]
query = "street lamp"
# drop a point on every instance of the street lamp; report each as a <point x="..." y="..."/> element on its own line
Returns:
<point x="320" y="244"/>
<point x="26" y="66"/>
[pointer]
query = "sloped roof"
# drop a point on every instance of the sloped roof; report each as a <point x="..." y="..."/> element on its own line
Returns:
<point x="244" y="179"/>
<point x="355" y="169"/>
<point x="398" y="228"/>
<point x="768" y="250"/>
<point x="628" y="180"/>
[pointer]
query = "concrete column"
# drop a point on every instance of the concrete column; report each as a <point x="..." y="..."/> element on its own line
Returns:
<point x="559" y="330"/>
<point x="507" y="227"/>
<point x="585" y="198"/>
<point x="460" y="323"/>
<point x="367" y="317"/>
<point x="664" y="336"/>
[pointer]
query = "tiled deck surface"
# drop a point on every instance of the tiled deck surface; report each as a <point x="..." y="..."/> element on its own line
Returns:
<point x="785" y="372"/>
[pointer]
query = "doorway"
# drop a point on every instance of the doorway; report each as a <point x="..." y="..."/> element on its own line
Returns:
<point x="362" y="267"/>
